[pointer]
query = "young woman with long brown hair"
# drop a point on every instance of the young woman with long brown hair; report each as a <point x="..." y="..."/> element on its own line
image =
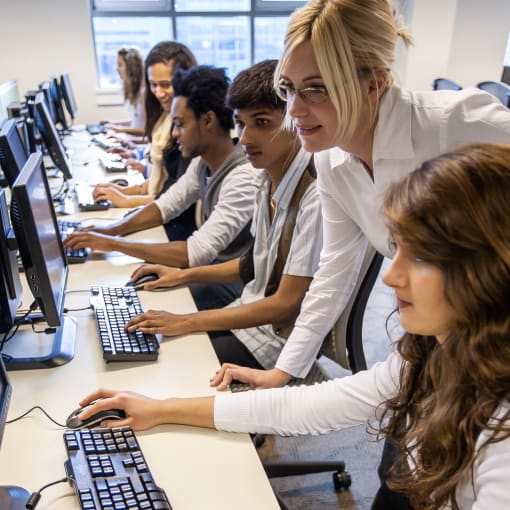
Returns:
<point x="443" y="396"/>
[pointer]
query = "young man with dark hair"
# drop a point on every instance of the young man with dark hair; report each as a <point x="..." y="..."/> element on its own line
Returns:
<point x="219" y="175"/>
<point x="287" y="234"/>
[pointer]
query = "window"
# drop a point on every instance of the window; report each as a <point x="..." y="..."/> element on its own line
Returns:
<point x="225" y="33"/>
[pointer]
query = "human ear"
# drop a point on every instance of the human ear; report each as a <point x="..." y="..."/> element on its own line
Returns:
<point x="376" y="86"/>
<point x="209" y="119"/>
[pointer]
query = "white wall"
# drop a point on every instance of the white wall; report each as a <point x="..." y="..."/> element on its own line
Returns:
<point x="40" y="38"/>
<point x="463" y="40"/>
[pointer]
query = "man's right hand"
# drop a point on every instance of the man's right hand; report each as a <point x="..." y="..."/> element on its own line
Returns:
<point x="87" y="239"/>
<point x="257" y="379"/>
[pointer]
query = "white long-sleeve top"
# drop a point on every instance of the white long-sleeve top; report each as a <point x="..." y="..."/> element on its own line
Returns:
<point x="412" y="128"/>
<point x="350" y="401"/>
<point x="231" y="213"/>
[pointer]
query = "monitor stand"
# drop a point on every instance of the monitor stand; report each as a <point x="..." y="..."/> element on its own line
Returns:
<point x="24" y="352"/>
<point x="13" y="498"/>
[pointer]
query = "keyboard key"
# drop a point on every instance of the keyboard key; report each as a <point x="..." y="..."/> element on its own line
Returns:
<point x="114" y="306"/>
<point x="110" y="480"/>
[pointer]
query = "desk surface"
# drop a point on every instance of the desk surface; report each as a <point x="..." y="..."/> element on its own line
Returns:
<point x="198" y="468"/>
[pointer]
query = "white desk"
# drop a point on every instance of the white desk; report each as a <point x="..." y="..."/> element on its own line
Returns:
<point x="198" y="468"/>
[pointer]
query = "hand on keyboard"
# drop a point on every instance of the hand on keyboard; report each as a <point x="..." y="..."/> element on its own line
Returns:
<point x="87" y="239"/>
<point x="113" y="193"/>
<point x="166" y="323"/>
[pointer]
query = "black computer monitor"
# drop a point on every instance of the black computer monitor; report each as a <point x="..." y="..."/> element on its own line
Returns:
<point x="58" y="103"/>
<point x="10" y="284"/>
<point x="37" y="237"/>
<point x="68" y="95"/>
<point x="13" y="154"/>
<point x="45" y="88"/>
<point x="11" y="497"/>
<point x="42" y="120"/>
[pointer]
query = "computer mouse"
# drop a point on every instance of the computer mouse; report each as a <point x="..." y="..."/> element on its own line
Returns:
<point x="119" y="182"/>
<point x="73" y="422"/>
<point x="140" y="282"/>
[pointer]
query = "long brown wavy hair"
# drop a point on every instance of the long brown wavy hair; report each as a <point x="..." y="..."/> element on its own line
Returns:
<point x="165" y="52"/>
<point x="133" y="86"/>
<point x="453" y="212"/>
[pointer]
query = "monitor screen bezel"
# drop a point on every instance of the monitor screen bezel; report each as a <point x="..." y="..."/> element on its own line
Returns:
<point x="11" y="144"/>
<point x="68" y="95"/>
<point x="50" y="136"/>
<point x="25" y="227"/>
<point x="5" y="398"/>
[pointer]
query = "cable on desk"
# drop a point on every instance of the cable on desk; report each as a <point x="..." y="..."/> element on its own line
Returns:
<point x="40" y="409"/>
<point x="66" y="310"/>
<point x="36" y="496"/>
<point x="17" y="322"/>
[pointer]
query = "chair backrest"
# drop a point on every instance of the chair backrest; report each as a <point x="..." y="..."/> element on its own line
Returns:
<point x="498" y="89"/>
<point x="345" y="343"/>
<point x="445" y="84"/>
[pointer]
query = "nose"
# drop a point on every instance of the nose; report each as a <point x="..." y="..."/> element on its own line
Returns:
<point x="176" y="132"/>
<point x="244" y="136"/>
<point x="394" y="275"/>
<point x="296" y="107"/>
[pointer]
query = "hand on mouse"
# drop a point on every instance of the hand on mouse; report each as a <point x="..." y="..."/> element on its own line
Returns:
<point x="167" y="276"/>
<point x="141" y="412"/>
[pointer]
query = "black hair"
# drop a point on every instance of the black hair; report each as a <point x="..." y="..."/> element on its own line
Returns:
<point x="165" y="52"/>
<point x="205" y="89"/>
<point x="254" y="88"/>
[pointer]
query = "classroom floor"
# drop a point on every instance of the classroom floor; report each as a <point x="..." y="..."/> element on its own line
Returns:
<point x="359" y="449"/>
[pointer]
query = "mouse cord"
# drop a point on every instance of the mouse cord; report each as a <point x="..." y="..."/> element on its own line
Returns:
<point x="36" y="496"/>
<point x="41" y="409"/>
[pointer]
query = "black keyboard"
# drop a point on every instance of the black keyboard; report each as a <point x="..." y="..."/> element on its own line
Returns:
<point x="85" y="197"/>
<point x="95" y="129"/>
<point x="114" y="306"/>
<point x="108" y="471"/>
<point x="105" y="142"/>
<point x="79" y="255"/>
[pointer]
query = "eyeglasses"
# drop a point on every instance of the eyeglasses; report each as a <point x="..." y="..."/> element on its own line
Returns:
<point x="309" y="95"/>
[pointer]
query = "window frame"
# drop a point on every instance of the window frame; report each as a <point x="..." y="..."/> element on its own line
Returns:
<point x="166" y="8"/>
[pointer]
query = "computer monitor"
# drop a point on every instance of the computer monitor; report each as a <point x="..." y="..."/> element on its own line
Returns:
<point x="8" y="93"/>
<point x="68" y="95"/>
<point x="56" y="94"/>
<point x="10" y="284"/>
<point x="11" y="497"/>
<point x="45" y="88"/>
<point x="36" y="232"/>
<point x="13" y="154"/>
<point x="42" y="120"/>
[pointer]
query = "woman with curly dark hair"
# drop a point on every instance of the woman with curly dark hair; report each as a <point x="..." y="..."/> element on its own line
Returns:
<point x="444" y="395"/>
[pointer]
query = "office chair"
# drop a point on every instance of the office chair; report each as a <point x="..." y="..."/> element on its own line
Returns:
<point x="498" y="89"/>
<point x="445" y="84"/>
<point x="345" y="346"/>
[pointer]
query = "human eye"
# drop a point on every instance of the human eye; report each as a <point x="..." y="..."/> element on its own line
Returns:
<point x="165" y="84"/>
<point x="262" y="122"/>
<point x="239" y="124"/>
<point x="315" y="93"/>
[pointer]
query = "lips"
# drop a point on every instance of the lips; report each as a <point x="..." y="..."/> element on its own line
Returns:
<point x="251" y="152"/>
<point x="307" y="130"/>
<point x="402" y="304"/>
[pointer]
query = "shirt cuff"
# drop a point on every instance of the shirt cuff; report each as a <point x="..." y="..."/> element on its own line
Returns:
<point x="231" y="411"/>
